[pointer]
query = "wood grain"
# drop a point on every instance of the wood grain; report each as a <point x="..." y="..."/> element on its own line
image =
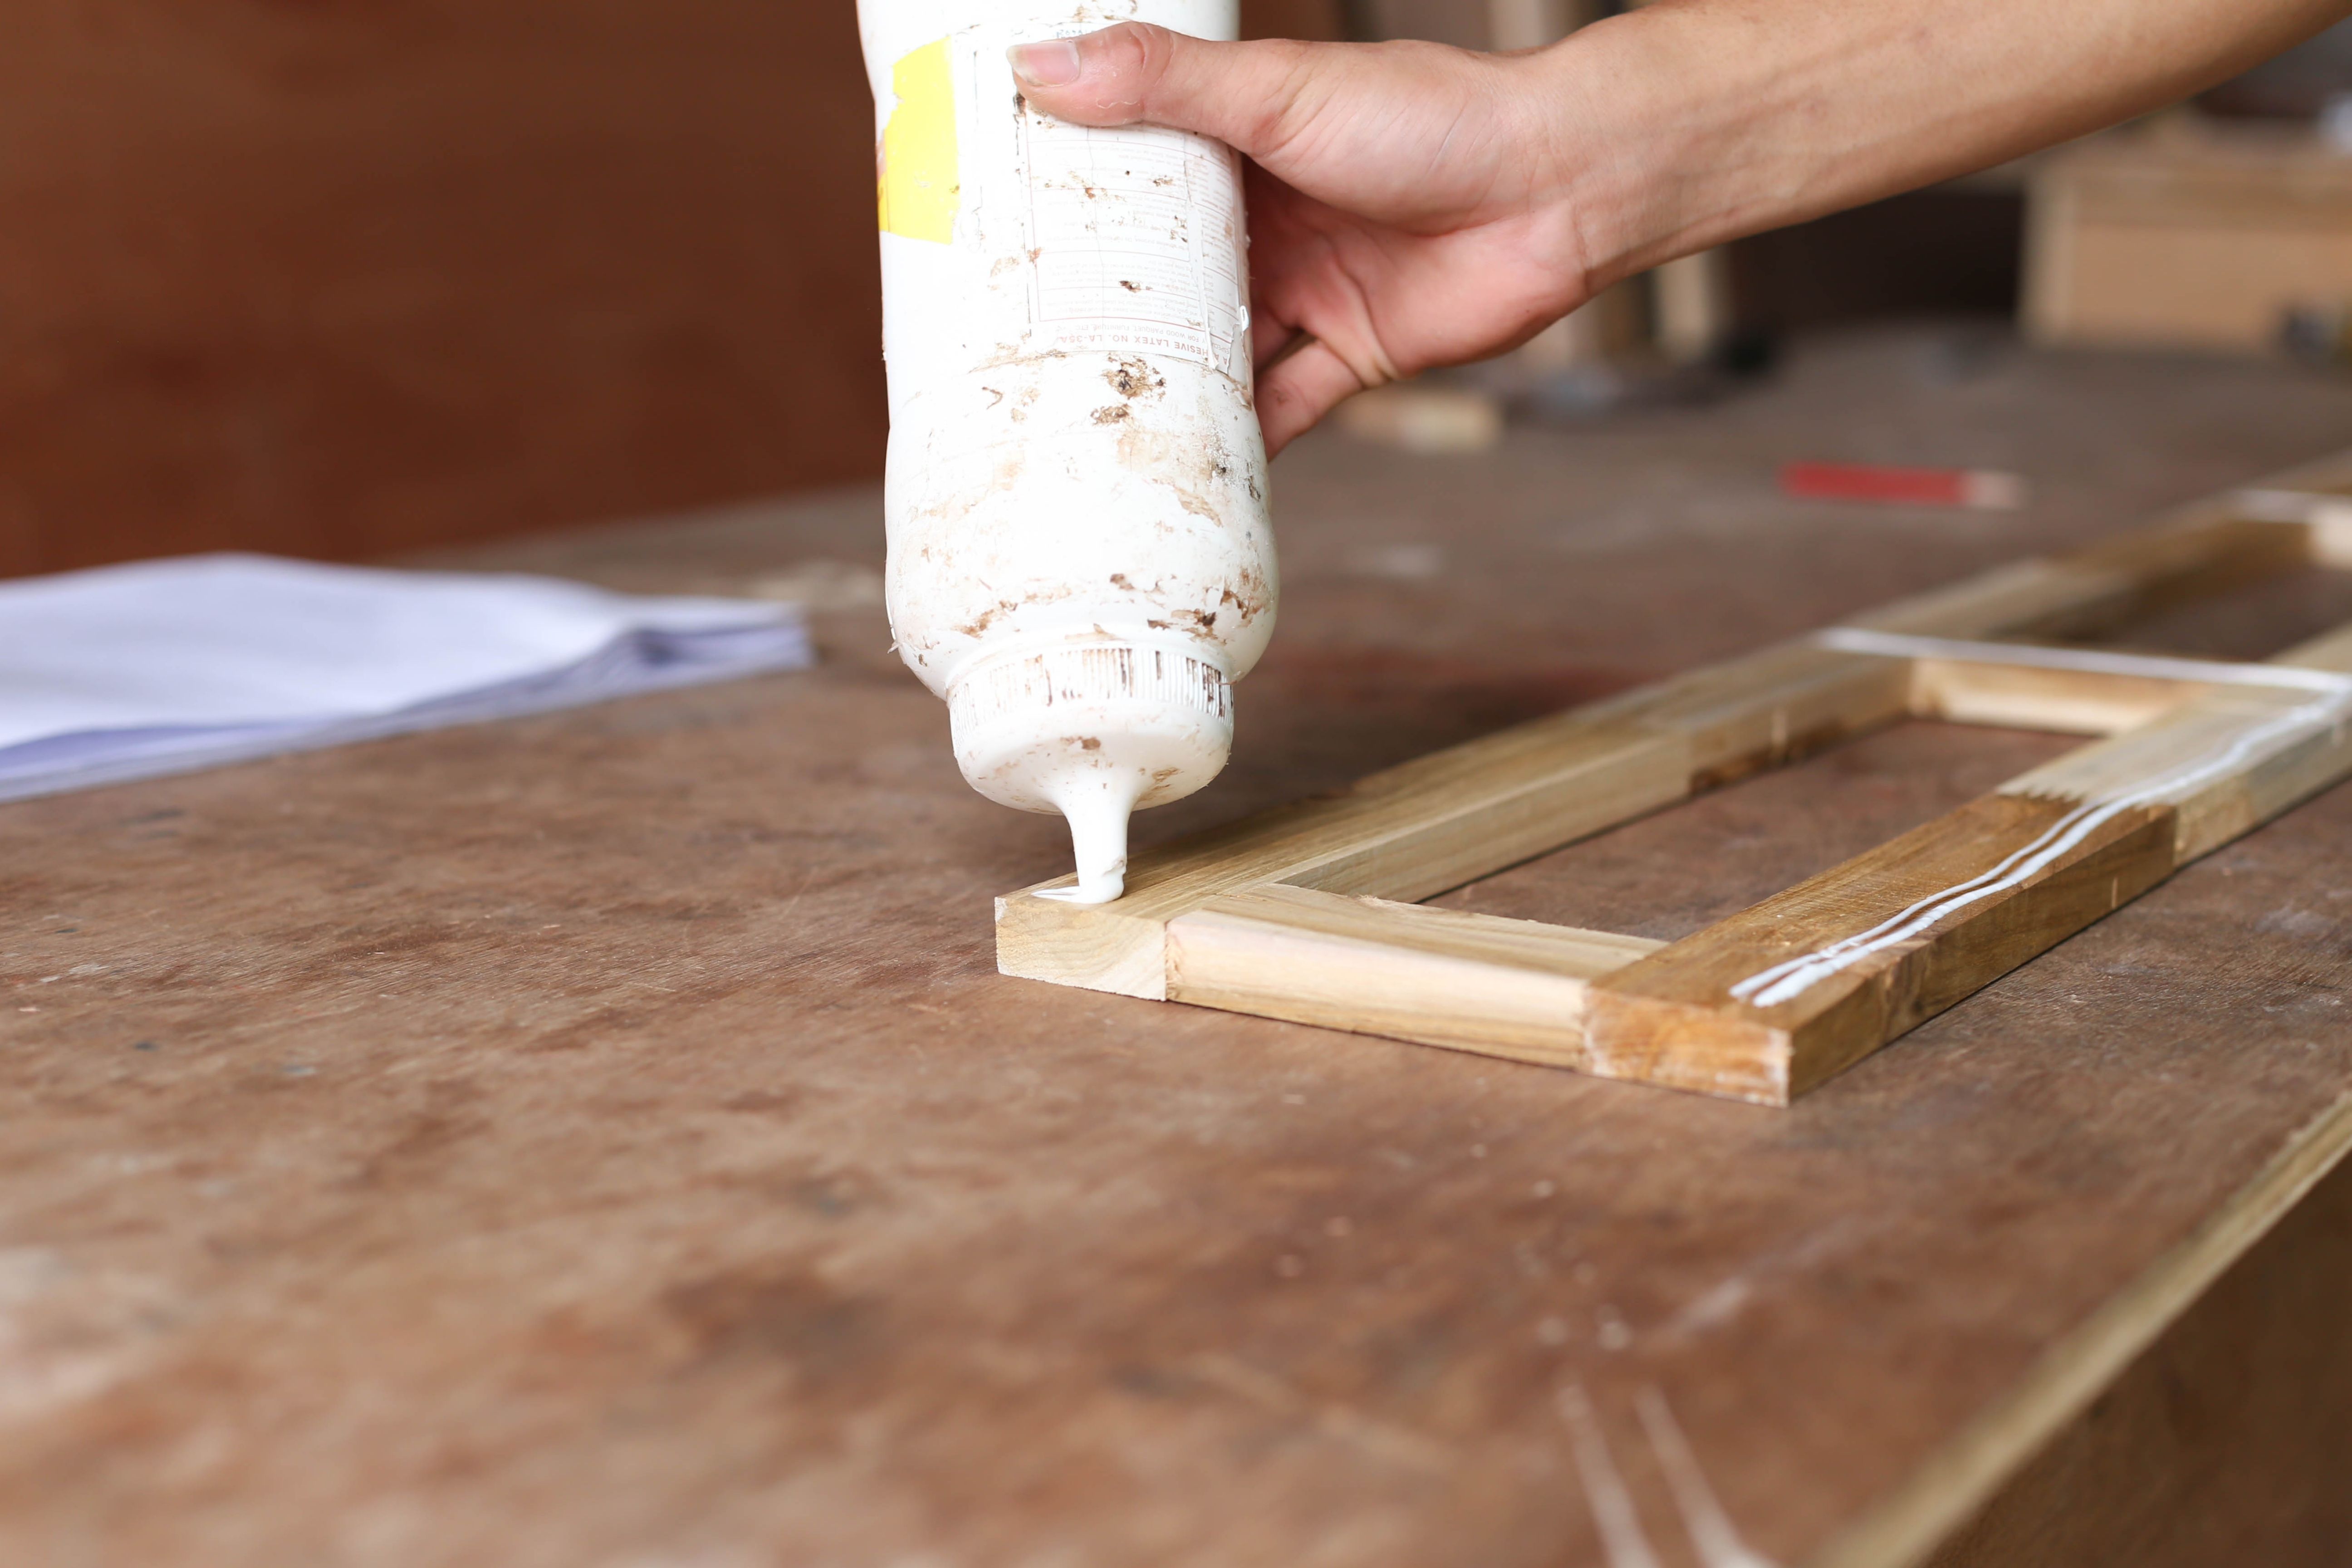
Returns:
<point x="2239" y="1415"/>
<point x="1903" y="1527"/>
<point x="604" y="1138"/>
<point x="2065" y="703"/>
<point x="1441" y="977"/>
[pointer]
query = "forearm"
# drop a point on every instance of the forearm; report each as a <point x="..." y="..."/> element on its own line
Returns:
<point x="1693" y="122"/>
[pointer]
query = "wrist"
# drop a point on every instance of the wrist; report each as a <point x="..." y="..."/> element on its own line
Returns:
<point x="1655" y="142"/>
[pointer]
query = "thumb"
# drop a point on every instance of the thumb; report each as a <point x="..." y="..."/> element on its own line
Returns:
<point x="1241" y="94"/>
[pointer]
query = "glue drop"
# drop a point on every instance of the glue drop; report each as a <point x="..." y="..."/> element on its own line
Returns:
<point x="1081" y="561"/>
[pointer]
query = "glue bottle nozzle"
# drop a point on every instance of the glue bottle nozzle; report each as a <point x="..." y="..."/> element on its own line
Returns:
<point x="1098" y="809"/>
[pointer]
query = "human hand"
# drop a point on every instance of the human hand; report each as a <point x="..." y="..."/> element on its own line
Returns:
<point x="1406" y="201"/>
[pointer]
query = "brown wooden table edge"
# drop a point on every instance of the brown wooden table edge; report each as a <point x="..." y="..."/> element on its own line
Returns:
<point x="1902" y="1529"/>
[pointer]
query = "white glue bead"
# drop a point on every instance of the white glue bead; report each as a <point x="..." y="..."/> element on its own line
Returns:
<point x="1093" y="731"/>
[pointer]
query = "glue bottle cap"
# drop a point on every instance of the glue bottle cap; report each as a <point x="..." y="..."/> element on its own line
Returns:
<point x="1094" y="731"/>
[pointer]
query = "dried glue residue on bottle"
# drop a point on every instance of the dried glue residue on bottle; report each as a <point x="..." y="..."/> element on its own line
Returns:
<point x="1081" y="561"/>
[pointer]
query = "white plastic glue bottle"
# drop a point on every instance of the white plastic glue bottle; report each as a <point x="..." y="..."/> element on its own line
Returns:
<point x="1080" y="557"/>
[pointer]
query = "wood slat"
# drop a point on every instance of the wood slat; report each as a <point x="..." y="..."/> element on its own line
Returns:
<point x="2062" y="702"/>
<point x="1728" y="1011"/>
<point x="2096" y="590"/>
<point x="2076" y="691"/>
<point x="1441" y="977"/>
<point x="2199" y="549"/>
<point x="1772" y="707"/>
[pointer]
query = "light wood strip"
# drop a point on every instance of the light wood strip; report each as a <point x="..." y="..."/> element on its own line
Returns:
<point x="1770" y="708"/>
<point x="2331" y="538"/>
<point x="2224" y="763"/>
<point x="2063" y="702"/>
<point x="1438" y="834"/>
<point x="2095" y="691"/>
<point x="2272" y="674"/>
<point x="1441" y="977"/>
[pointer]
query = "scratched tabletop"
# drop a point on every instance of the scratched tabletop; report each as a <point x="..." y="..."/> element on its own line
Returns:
<point x="604" y="1138"/>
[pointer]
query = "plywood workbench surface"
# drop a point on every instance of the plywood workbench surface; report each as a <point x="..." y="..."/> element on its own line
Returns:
<point x="604" y="1138"/>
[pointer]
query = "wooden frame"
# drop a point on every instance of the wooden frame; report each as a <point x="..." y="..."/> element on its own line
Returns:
<point x="1310" y="912"/>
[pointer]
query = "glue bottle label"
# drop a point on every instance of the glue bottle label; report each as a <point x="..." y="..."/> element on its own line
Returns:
<point x="1134" y="241"/>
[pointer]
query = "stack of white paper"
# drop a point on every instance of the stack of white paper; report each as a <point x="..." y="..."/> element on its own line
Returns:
<point x="165" y="666"/>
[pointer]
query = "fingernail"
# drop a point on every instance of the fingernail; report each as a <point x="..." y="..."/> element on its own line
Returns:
<point x="1054" y="63"/>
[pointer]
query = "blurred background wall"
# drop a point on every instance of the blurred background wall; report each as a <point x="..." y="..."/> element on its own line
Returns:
<point x="339" y="278"/>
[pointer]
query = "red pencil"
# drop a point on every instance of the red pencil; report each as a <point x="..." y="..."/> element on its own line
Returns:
<point x="1985" y="489"/>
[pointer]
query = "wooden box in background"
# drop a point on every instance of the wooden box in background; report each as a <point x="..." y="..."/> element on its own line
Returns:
<point x="2188" y="235"/>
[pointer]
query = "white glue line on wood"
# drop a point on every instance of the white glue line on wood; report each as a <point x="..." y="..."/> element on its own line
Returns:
<point x="1613" y="1506"/>
<point x="1787" y="981"/>
<point x="1717" y="1543"/>
<point x="2083" y="660"/>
